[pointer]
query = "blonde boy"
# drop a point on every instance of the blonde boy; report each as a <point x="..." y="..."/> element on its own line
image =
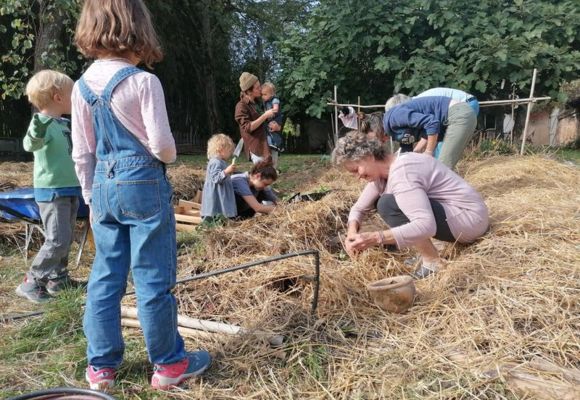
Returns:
<point x="56" y="187"/>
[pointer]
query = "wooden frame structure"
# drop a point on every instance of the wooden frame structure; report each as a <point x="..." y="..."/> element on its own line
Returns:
<point x="490" y="103"/>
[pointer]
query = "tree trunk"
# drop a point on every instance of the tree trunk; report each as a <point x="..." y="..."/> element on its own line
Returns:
<point x="208" y="80"/>
<point x="50" y="29"/>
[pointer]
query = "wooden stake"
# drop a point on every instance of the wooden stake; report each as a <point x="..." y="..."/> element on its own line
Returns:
<point x="528" y="112"/>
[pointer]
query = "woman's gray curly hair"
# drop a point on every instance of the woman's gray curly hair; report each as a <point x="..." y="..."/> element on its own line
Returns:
<point x="355" y="146"/>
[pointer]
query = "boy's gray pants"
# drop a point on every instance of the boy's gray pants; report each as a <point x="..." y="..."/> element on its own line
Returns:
<point x="59" y="219"/>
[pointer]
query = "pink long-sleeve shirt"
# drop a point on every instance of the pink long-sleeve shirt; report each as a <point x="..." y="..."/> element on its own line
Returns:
<point x="413" y="180"/>
<point x="139" y="104"/>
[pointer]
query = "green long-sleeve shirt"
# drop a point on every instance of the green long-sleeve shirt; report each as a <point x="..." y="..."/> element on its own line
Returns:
<point x="53" y="164"/>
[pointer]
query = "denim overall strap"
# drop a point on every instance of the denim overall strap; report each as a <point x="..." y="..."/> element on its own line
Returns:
<point x="114" y="141"/>
<point x="87" y="93"/>
<point x="119" y="77"/>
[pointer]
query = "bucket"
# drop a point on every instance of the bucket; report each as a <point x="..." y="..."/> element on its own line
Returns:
<point x="395" y="294"/>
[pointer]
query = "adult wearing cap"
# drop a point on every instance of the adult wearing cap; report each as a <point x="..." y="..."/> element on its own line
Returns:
<point x="251" y="123"/>
<point x="438" y="118"/>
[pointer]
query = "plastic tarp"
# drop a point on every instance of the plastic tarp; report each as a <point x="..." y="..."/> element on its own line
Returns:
<point x="19" y="204"/>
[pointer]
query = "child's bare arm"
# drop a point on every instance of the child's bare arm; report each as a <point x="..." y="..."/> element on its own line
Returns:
<point x="276" y="107"/>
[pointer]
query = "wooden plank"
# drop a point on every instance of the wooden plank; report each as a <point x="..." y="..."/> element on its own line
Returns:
<point x="178" y="209"/>
<point x="188" y="218"/>
<point x="188" y="205"/>
<point x="185" y="227"/>
<point x="197" y="198"/>
<point x="195" y="213"/>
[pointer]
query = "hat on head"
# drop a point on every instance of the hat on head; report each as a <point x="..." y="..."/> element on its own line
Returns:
<point x="247" y="80"/>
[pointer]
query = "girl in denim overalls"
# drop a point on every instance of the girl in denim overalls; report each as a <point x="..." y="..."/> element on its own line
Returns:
<point x="122" y="142"/>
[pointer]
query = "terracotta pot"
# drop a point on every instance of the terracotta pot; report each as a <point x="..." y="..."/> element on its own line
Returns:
<point x="394" y="294"/>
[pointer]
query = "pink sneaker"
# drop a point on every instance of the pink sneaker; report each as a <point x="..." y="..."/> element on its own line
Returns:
<point x="100" y="379"/>
<point x="167" y="376"/>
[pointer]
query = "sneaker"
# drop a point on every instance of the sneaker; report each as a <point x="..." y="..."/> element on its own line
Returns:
<point x="32" y="291"/>
<point x="424" y="270"/>
<point x="166" y="376"/>
<point x="55" y="286"/>
<point x="100" y="379"/>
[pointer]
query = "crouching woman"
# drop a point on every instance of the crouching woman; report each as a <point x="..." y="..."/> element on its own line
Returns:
<point x="253" y="192"/>
<point x="416" y="195"/>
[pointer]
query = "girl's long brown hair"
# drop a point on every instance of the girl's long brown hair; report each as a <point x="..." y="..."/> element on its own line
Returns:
<point x="119" y="28"/>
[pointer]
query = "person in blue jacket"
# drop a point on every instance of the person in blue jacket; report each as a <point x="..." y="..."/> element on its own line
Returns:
<point x="438" y="118"/>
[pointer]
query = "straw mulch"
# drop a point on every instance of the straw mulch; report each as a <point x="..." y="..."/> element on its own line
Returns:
<point x="186" y="181"/>
<point x="501" y="319"/>
<point x="15" y="175"/>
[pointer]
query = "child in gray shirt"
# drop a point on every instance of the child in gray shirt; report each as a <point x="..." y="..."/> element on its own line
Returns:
<point x="218" y="193"/>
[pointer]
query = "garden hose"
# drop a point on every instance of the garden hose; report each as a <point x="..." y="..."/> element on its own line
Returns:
<point x="64" y="394"/>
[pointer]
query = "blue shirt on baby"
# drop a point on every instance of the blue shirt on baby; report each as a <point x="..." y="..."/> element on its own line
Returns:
<point x="274" y="138"/>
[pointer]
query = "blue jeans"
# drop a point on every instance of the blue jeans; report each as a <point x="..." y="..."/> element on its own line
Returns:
<point x="134" y="227"/>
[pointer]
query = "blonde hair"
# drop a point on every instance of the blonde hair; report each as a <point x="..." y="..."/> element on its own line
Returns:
<point x="218" y="142"/>
<point x="119" y="28"/>
<point x="43" y="85"/>
<point x="269" y="86"/>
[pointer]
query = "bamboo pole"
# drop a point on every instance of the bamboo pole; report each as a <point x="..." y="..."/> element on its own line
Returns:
<point x="531" y="99"/>
<point x="513" y="117"/>
<point x="488" y="103"/>
<point x="357" y="114"/>
<point x="335" y="115"/>
<point x="187" y="332"/>
<point x="210" y="326"/>
<point x="528" y="112"/>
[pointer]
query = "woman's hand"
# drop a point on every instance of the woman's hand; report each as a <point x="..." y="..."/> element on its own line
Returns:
<point x="361" y="241"/>
<point x="269" y="113"/>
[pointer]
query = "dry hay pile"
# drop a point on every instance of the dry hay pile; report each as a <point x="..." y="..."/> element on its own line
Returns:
<point x="13" y="175"/>
<point x="186" y="181"/>
<point x="501" y="319"/>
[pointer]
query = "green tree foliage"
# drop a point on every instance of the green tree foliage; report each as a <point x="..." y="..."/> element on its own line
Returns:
<point x="374" y="48"/>
<point x="34" y="34"/>
<point x="207" y="45"/>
